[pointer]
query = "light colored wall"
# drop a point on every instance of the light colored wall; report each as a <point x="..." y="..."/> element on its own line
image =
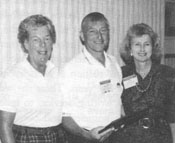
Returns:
<point x="66" y="16"/>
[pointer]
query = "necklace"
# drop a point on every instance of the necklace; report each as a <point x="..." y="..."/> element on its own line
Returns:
<point x="147" y="87"/>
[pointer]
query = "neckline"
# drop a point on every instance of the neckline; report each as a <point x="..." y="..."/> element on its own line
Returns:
<point x="146" y="88"/>
<point x="148" y="77"/>
<point x="49" y="67"/>
<point x="91" y="60"/>
<point x="150" y="73"/>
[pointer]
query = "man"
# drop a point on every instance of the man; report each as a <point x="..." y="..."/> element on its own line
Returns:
<point x="91" y="84"/>
<point x="30" y="105"/>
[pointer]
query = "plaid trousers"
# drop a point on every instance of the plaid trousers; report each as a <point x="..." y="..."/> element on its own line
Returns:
<point x="57" y="135"/>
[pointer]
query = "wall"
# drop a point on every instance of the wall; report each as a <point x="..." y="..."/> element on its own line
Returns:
<point x="170" y="45"/>
<point x="66" y="16"/>
<point x="170" y="26"/>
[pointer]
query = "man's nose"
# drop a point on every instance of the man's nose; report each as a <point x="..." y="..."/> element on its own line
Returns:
<point x="99" y="34"/>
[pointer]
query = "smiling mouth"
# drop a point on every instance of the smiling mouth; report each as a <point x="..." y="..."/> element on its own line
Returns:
<point x="142" y="54"/>
<point x="42" y="52"/>
<point x="99" y="41"/>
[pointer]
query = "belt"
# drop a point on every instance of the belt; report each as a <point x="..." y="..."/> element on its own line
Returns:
<point x="33" y="130"/>
<point x="147" y="122"/>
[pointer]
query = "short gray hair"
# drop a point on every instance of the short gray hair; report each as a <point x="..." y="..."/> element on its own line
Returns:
<point x="34" y="21"/>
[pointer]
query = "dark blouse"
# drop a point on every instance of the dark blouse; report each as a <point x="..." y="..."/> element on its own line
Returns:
<point x="157" y="92"/>
<point x="160" y="92"/>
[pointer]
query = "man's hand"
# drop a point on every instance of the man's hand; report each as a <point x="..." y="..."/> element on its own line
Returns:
<point x="70" y="125"/>
<point x="100" y="136"/>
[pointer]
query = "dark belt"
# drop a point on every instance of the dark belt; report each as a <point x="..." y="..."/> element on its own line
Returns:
<point x="147" y="122"/>
<point x="33" y="130"/>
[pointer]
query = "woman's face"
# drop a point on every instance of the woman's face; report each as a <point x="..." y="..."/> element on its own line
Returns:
<point x="39" y="46"/>
<point x="141" y="48"/>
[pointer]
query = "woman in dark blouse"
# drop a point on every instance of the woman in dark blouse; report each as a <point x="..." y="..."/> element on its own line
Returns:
<point x="147" y="84"/>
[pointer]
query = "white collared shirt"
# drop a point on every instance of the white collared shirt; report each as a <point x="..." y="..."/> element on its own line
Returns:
<point x="92" y="92"/>
<point x="33" y="97"/>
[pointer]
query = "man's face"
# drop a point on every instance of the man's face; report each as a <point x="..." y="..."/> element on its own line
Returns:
<point x="96" y="36"/>
<point x="39" y="46"/>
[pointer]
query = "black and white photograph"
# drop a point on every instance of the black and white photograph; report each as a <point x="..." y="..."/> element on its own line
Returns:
<point x="87" y="71"/>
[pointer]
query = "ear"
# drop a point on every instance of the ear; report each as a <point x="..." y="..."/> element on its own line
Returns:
<point x="81" y="37"/>
<point x="26" y="45"/>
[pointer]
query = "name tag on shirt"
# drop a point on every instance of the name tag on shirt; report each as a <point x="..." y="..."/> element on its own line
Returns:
<point x="130" y="81"/>
<point x="105" y="86"/>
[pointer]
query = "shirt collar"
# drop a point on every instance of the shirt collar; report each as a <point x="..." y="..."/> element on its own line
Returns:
<point x="49" y="66"/>
<point x="90" y="59"/>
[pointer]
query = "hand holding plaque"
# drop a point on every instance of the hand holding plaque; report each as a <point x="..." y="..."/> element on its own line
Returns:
<point x="126" y="120"/>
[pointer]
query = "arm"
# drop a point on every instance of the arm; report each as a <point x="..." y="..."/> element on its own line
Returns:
<point x="6" y="123"/>
<point x="70" y="125"/>
<point x="172" y="126"/>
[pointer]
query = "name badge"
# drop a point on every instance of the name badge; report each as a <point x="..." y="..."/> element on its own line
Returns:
<point x="105" y="86"/>
<point x="130" y="81"/>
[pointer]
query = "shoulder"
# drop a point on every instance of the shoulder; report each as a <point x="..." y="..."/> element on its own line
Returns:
<point x="11" y="77"/>
<point x="127" y="70"/>
<point x="52" y="69"/>
<point x="166" y="71"/>
<point x="115" y="62"/>
<point x="113" y="58"/>
<point x="13" y="71"/>
<point x="167" y="74"/>
<point x="78" y="59"/>
<point x="73" y="65"/>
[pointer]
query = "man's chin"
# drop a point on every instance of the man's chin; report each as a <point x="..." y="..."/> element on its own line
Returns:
<point x="43" y="62"/>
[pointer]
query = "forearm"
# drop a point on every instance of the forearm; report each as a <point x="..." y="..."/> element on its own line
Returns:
<point x="71" y="126"/>
<point x="92" y="135"/>
<point x="172" y="126"/>
<point x="6" y="123"/>
<point x="7" y="135"/>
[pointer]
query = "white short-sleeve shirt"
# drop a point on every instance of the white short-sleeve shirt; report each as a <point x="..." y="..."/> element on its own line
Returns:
<point x="92" y="92"/>
<point x="34" y="98"/>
